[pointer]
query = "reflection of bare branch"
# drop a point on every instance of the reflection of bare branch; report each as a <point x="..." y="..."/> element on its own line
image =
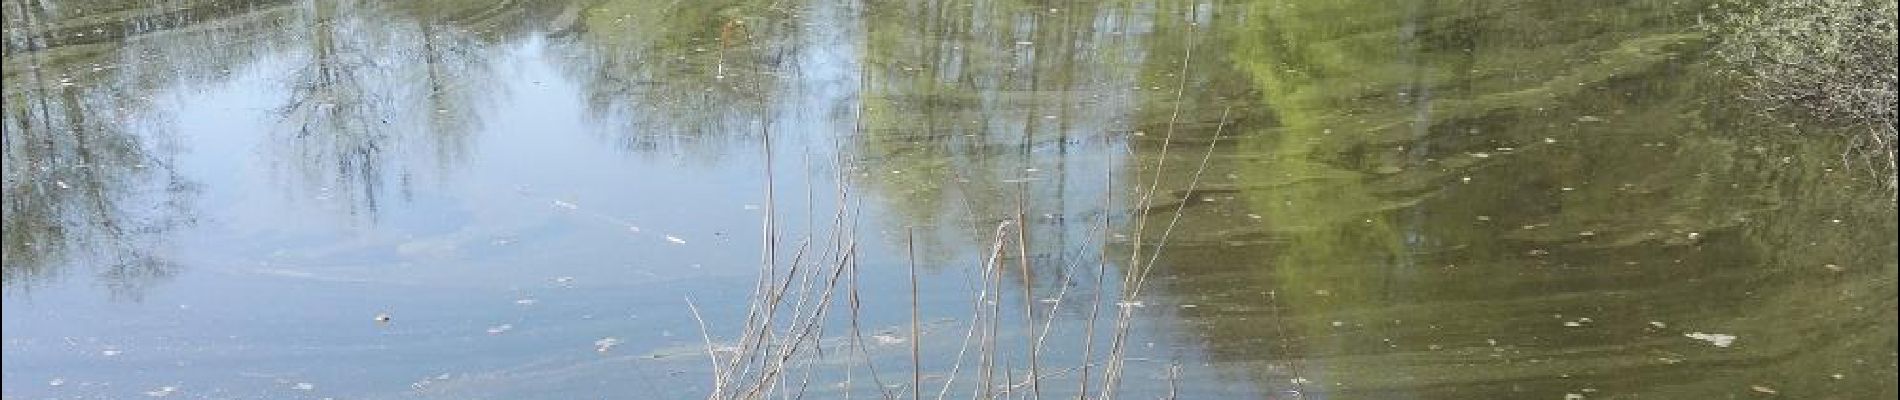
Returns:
<point x="81" y="187"/>
<point x="376" y="91"/>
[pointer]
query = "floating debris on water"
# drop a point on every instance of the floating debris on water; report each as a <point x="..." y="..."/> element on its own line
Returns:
<point x="110" y="352"/>
<point x="1763" y="389"/>
<point x="1658" y="324"/>
<point x="1717" y="339"/>
<point x="566" y="205"/>
<point x="304" y="386"/>
<point x="382" y="317"/>
<point x="500" y="329"/>
<point x="62" y="382"/>
<point x="675" y="239"/>
<point x="162" y="391"/>
<point x="1129" y="304"/>
<point x="605" y="344"/>
<point x="527" y="302"/>
<point x="887" y="339"/>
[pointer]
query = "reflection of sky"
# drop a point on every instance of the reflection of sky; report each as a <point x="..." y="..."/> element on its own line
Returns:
<point x="280" y="281"/>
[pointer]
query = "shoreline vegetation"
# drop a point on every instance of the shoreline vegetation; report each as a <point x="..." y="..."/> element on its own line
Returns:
<point x="1831" y="62"/>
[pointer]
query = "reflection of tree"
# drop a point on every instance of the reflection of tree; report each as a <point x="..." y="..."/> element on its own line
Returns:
<point x="966" y="103"/>
<point x="86" y="182"/>
<point x="376" y="92"/>
<point x="681" y="77"/>
<point x="1448" y="178"/>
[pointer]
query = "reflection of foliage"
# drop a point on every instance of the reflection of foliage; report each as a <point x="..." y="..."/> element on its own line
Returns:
<point x="962" y="100"/>
<point x="1457" y="172"/>
<point x="685" y="72"/>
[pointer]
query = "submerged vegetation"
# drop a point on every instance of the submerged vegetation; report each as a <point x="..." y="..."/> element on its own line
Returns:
<point x="1831" y="61"/>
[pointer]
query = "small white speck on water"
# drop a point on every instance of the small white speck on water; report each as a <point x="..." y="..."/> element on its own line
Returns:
<point x="62" y="382"/>
<point x="1716" y="339"/>
<point x="526" y="302"/>
<point x="1130" y="304"/>
<point x="886" y="339"/>
<point x="162" y="391"/>
<point x="304" y="386"/>
<point x="110" y="352"/>
<point x="500" y="329"/>
<point x="1337" y="324"/>
<point x="605" y="344"/>
<point x="566" y="205"/>
<point x="1573" y="396"/>
<point x="675" y="239"/>
<point x="1658" y="324"/>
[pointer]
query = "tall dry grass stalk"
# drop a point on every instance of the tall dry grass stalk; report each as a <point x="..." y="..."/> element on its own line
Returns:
<point x="781" y="341"/>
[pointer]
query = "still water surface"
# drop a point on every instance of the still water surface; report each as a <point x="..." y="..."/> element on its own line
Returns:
<point x="1368" y="199"/>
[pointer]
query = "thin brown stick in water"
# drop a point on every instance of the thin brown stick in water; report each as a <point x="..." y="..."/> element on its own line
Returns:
<point x="976" y="309"/>
<point x="1112" y="372"/>
<point x="916" y="336"/>
<point x="1029" y="311"/>
<point x="1101" y="277"/>
<point x="857" y="332"/>
<point x="1174" y="380"/>
<point x="719" y="386"/>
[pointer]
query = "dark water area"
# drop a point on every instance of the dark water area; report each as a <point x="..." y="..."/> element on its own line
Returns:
<point x="1327" y="199"/>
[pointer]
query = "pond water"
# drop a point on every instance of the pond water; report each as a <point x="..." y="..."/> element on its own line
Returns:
<point x="1327" y="199"/>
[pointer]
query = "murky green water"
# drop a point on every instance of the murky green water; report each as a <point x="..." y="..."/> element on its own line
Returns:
<point x="1412" y="199"/>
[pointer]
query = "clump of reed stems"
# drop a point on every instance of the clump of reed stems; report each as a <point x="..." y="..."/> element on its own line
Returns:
<point x="779" y="343"/>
